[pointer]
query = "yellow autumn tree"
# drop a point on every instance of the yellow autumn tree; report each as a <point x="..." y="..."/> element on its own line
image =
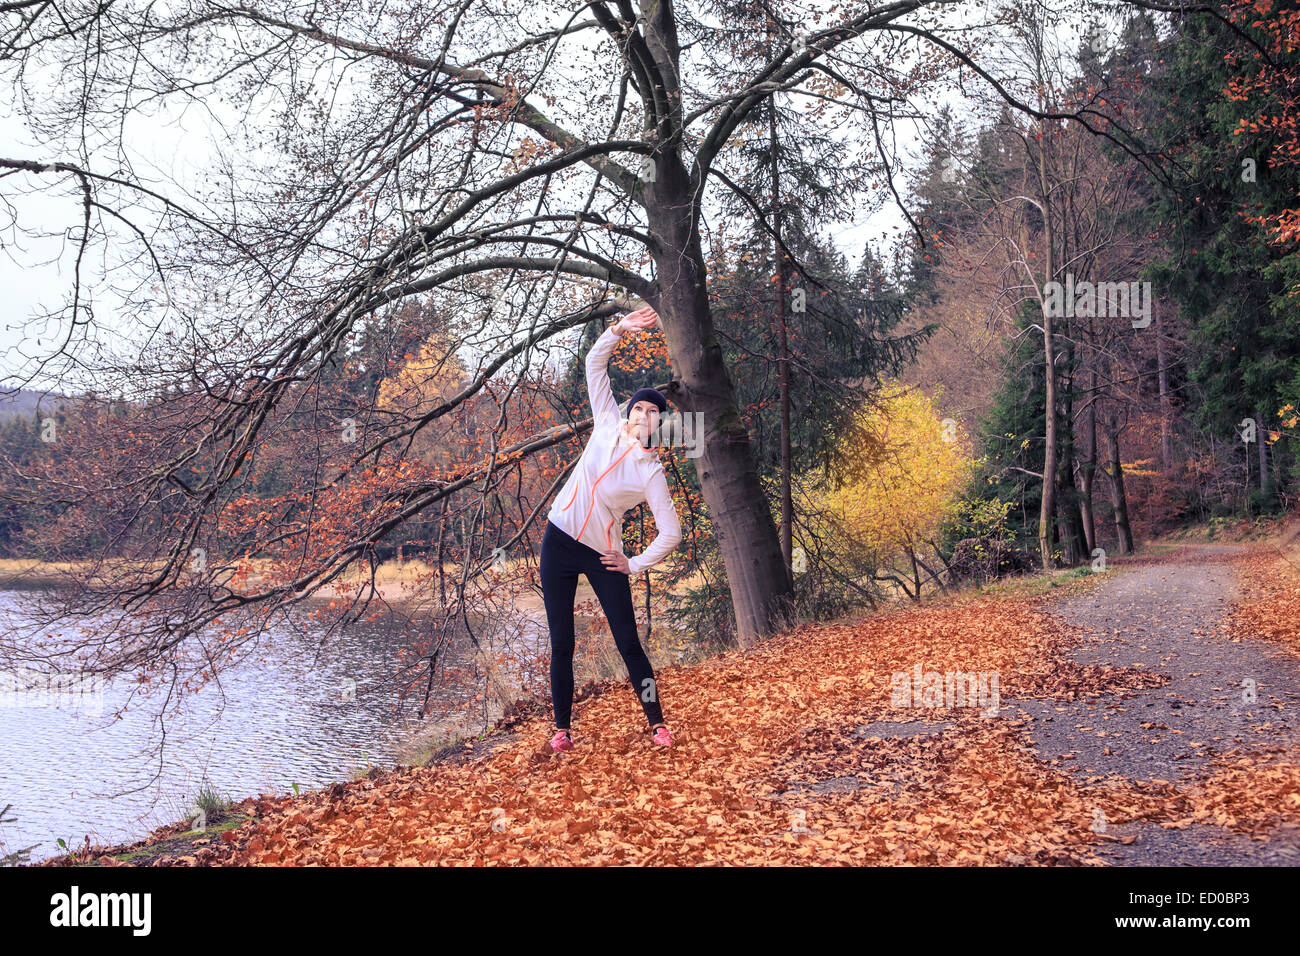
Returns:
<point x="429" y="376"/>
<point x="906" y="468"/>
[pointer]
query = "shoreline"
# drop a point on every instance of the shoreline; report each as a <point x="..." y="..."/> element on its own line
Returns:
<point x="176" y="843"/>
<point x="424" y="748"/>
<point x="395" y="582"/>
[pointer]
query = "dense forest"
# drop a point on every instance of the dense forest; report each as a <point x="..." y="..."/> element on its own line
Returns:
<point x="1084" y="337"/>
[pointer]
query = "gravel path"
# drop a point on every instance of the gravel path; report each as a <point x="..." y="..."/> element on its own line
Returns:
<point x="1164" y="617"/>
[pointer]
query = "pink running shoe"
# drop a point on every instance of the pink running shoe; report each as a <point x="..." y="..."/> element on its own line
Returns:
<point x="561" y="741"/>
<point x="663" y="736"/>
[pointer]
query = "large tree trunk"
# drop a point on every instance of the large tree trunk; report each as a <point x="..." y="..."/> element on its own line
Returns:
<point x="738" y="508"/>
<point x="1086" y="474"/>
<point x="1088" y="466"/>
<point x="1069" y="520"/>
<point x="1048" y="502"/>
<point x="783" y="356"/>
<point x="1118" y="498"/>
<point x="1068" y="517"/>
<point x="1047" y="505"/>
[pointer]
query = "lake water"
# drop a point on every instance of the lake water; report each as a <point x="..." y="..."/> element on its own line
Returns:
<point x="295" y="717"/>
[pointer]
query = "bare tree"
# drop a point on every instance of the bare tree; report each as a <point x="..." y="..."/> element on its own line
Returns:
<point x="521" y="169"/>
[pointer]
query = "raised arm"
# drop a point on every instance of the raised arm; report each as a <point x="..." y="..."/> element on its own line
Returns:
<point x="603" y="407"/>
<point x="670" y="529"/>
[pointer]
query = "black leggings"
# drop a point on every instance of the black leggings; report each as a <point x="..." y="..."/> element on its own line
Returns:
<point x="562" y="560"/>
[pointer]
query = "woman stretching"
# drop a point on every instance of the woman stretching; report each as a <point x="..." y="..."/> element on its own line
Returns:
<point x="618" y="469"/>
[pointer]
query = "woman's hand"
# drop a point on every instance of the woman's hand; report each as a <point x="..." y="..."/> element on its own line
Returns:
<point x="637" y="321"/>
<point x="615" y="562"/>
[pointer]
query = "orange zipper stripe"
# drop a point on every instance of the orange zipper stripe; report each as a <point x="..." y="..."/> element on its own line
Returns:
<point x="593" y="491"/>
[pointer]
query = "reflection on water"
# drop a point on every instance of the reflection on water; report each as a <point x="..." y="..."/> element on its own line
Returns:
<point x="296" y="712"/>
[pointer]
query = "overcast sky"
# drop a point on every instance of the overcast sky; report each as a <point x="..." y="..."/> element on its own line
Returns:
<point x="35" y="274"/>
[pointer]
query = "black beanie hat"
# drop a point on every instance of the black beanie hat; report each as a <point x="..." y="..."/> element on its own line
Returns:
<point x="648" y="395"/>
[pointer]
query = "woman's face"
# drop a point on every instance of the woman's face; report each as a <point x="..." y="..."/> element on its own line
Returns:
<point x="643" y="420"/>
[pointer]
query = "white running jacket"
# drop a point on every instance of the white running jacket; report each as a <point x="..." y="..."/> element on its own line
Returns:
<point x="613" y="475"/>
